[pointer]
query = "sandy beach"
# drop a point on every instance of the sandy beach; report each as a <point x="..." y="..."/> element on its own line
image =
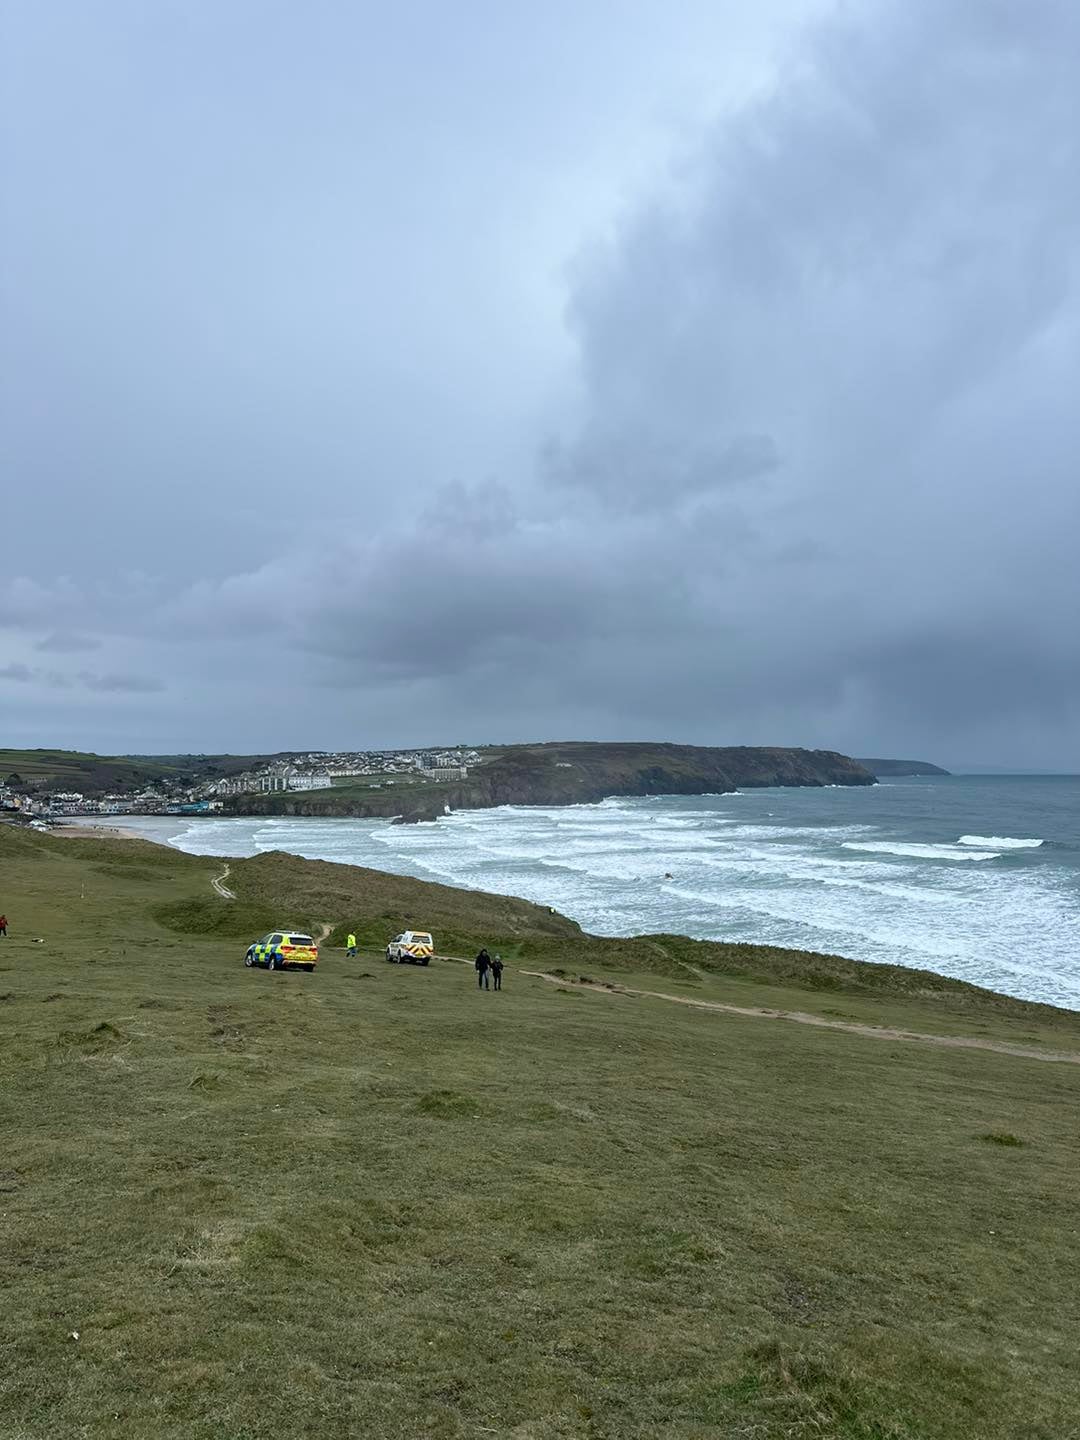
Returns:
<point x="83" y="829"/>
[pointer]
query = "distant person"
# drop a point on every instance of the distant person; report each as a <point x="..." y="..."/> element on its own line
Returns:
<point x="350" y="947"/>
<point x="483" y="965"/>
<point x="496" y="971"/>
<point x="3" y="927"/>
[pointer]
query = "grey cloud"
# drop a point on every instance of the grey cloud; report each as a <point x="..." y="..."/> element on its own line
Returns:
<point x="22" y="674"/>
<point x="630" y="467"/>
<point x="813" y="478"/>
<point x="60" y="642"/>
<point x="34" y="675"/>
<point x="120" y="684"/>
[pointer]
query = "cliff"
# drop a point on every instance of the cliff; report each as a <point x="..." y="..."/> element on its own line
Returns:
<point x="573" y="773"/>
<point x="893" y="768"/>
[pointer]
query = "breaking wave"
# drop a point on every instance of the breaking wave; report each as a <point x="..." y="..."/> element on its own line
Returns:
<point x="920" y="852"/>
<point x="875" y="873"/>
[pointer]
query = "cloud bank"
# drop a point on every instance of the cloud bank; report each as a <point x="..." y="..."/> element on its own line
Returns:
<point x="812" y="478"/>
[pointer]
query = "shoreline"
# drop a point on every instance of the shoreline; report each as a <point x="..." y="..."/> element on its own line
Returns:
<point x="88" y="831"/>
<point x="80" y="830"/>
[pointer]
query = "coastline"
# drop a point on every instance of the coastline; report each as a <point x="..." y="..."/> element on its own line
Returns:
<point x="888" y="873"/>
<point x="87" y="828"/>
<point x="81" y="830"/>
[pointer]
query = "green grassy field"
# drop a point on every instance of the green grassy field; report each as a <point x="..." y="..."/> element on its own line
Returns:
<point x="92" y="774"/>
<point x="376" y="1202"/>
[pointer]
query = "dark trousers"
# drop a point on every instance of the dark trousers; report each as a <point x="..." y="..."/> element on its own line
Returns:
<point x="498" y="980"/>
<point x="482" y="979"/>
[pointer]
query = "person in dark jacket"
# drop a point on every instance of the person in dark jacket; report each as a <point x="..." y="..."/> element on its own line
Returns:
<point x="483" y="965"/>
<point x="496" y="971"/>
<point x="3" y="926"/>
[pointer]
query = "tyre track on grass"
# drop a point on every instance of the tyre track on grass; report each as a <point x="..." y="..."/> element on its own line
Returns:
<point x="218" y="882"/>
<point x="804" y="1017"/>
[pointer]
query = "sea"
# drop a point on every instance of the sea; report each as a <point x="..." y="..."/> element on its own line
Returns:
<point x="974" y="876"/>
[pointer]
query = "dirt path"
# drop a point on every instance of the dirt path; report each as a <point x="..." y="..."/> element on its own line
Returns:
<point x="674" y="960"/>
<point x="218" y="882"/>
<point x="324" y="931"/>
<point x="802" y="1017"/>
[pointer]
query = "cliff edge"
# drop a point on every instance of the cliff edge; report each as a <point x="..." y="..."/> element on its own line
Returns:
<point x="573" y="773"/>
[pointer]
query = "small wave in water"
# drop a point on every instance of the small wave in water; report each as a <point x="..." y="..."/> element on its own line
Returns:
<point x="919" y="852"/>
<point x="875" y="873"/>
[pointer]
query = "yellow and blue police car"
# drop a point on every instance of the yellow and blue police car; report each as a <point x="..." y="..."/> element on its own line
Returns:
<point x="283" y="950"/>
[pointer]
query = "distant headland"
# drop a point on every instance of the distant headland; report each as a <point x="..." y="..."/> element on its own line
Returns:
<point x="565" y="773"/>
<point x="402" y="785"/>
<point x="891" y="769"/>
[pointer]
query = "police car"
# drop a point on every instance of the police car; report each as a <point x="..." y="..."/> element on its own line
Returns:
<point x="413" y="947"/>
<point x="283" y="950"/>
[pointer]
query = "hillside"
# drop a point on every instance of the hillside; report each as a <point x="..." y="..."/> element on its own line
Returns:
<point x="374" y="1201"/>
<point x="570" y="773"/>
<point x="889" y="769"/>
<point x="93" y="775"/>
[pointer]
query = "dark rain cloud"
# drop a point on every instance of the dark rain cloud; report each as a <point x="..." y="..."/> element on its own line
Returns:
<point x="815" y="481"/>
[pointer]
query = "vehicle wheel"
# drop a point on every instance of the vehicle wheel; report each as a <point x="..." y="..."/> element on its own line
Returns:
<point x="310" y="969"/>
<point x="273" y="963"/>
<point x="249" y="959"/>
<point x="424" y="961"/>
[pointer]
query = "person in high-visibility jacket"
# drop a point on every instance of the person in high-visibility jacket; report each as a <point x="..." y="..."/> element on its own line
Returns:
<point x="350" y="946"/>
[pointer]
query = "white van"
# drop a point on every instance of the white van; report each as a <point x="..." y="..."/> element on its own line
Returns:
<point x="412" y="947"/>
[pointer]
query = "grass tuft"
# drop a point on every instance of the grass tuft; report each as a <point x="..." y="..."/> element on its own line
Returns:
<point x="448" y="1105"/>
<point x="101" y="1039"/>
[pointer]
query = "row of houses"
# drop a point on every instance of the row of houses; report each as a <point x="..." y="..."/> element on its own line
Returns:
<point x="67" y="803"/>
<point x="318" y="770"/>
<point x="274" y="778"/>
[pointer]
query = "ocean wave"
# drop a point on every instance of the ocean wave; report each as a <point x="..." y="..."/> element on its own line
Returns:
<point x="816" y="870"/>
<point x="789" y="832"/>
<point x="920" y="852"/>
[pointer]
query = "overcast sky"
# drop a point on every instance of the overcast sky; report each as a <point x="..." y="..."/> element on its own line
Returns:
<point x="375" y="375"/>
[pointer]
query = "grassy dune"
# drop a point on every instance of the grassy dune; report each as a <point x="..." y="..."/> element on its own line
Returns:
<point x="374" y="1202"/>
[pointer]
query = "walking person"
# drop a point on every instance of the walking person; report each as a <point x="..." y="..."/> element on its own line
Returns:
<point x="483" y="965"/>
<point x="496" y="970"/>
<point x="3" y="926"/>
<point x="350" y="947"/>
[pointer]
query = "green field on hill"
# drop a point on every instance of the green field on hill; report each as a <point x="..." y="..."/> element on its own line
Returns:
<point x="92" y="774"/>
<point x="374" y="1201"/>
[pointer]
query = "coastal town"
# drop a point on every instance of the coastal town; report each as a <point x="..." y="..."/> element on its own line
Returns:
<point x="44" y="798"/>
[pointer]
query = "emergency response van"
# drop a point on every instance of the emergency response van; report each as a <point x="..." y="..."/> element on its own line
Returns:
<point x="412" y="947"/>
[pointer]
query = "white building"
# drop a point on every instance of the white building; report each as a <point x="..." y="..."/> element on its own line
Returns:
<point x="314" y="780"/>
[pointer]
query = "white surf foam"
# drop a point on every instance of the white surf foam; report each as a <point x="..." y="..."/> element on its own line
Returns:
<point x="852" y="884"/>
<point x="919" y="852"/>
